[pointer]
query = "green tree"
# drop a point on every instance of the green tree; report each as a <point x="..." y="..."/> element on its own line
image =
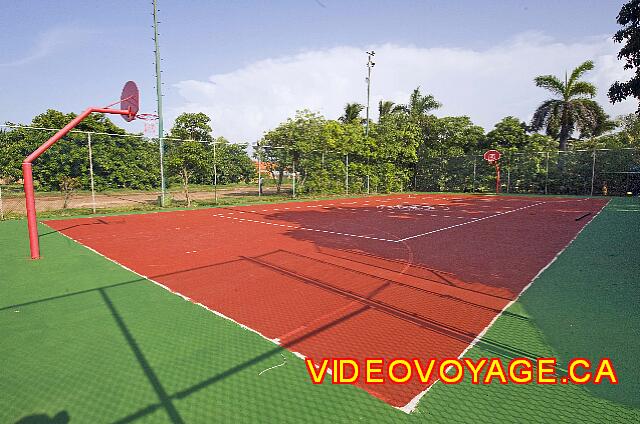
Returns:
<point x="572" y="109"/>
<point x="395" y="152"/>
<point x="385" y="108"/>
<point x="442" y="163"/>
<point x="510" y="132"/>
<point x="629" y="18"/>
<point x="233" y="163"/>
<point x="628" y="135"/>
<point x="192" y="126"/>
<point x="351" y="113"/>
<point x="287" y="145"/>
<point x="187" y="152"/>
<point x="419" y="105"/>
<point x="186" y="158"/>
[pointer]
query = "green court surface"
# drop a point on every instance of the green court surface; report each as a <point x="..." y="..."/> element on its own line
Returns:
<point x="87" y="340"/>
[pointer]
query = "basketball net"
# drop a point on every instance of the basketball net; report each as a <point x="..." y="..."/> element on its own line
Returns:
<point x="150" y="124"/>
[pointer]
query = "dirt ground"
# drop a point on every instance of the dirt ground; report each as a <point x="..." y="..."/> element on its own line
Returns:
<point x="51" y="202"/>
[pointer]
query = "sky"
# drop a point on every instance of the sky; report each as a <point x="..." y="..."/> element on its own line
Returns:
<point x="249" y="65"/>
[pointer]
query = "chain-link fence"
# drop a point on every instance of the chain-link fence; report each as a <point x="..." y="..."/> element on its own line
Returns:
<point x="87" y="172"/>
<point x="600" y="172"/>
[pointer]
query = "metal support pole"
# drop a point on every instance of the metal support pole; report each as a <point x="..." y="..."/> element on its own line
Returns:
<point x="1" y="206"/>
<point x="159" y="102"/>
<point x="473" y="184"/>
<point x="593" y="171"/>
<point x="294" y="178"/>
<point x="27" y="172"/>
<point x="259" y="176"/>
<point x="93" y="188"/>
<point x="346" y="174"/>
<point x="546" y="178"/>
<point x="215" y="175"/>
<point x="509" y="176"/>
<point x="29" y="198"/>
<point x="370" y="64"/>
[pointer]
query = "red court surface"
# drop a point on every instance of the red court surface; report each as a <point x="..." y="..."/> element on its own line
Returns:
<point x="402" y="276"/>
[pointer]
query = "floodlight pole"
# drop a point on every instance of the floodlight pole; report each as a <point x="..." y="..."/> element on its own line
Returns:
<point x="27" y="172"/>
<point x="370" y="65"/>
<point x="159" y="97"/>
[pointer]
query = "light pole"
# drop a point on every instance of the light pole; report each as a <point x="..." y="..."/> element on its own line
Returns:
<point x="159" y="100"/>
<point x="370" y="64"/>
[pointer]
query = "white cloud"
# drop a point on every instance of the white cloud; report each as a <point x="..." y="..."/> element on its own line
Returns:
<point x="48" y="43"/>
<point x="485" y="85"/>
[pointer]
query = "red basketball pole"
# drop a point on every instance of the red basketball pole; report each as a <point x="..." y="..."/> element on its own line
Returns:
<point x="27" y="173"/>
<point x="497" y="177"/>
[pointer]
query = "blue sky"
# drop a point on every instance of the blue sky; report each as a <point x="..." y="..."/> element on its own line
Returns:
<point x="250" y="65"/>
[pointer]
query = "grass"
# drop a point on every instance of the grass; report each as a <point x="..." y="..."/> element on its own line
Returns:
<point x="83" y="336"/>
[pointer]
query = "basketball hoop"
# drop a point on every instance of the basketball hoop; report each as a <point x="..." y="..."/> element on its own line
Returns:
<point x="150" y="120"/>
<point x="492" y="157"/>
<point x="129" y="104"/>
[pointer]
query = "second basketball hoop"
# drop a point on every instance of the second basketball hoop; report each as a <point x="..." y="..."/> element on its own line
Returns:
<point x="493" y="156"/>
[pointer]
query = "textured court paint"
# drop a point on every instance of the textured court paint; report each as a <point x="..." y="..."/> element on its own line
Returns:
<point x="53" y="368"/>
<point x="285" y="282"/>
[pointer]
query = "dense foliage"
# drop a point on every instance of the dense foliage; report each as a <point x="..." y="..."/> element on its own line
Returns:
<point x="629" y="18"/>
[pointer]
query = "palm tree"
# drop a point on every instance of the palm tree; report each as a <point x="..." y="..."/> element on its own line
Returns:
<point x="572" y="109"/>
<point x="419" y="104"/>
<point x="385" y="108"/>
<point x="351" y="113"/>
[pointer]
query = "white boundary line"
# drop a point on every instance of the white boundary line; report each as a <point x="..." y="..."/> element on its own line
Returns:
<point x="471" y="221"/>
<point x="413" y="403"/>
<point x="468" y="222"/>
<point x="255" y="221"/>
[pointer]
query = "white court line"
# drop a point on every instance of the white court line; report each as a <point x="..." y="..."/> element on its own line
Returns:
<point x="468" y="222"/>
<point x="309" y="229"/>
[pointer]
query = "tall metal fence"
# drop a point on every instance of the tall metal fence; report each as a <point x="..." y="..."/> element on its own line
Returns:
<point x="89" y="172"/>
<point x="599" y="172"/>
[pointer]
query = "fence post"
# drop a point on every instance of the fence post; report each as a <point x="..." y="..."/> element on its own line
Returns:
<point x="509" y="174"/>
<point x="473" y="184"/>
<point x="215" y="175"/>
<point x="1" y="206"/>
<point x="259" y="176"/>
<point x="346" y="174"/>
<point x="294" y="177"/>
<point x="546" y="177"/>
<point x="593" y="170"/>
<point x="93" y="189"/>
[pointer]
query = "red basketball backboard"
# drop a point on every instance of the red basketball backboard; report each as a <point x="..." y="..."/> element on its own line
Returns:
<point x="129" y="100"/>
<point x="491" y="155"/>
